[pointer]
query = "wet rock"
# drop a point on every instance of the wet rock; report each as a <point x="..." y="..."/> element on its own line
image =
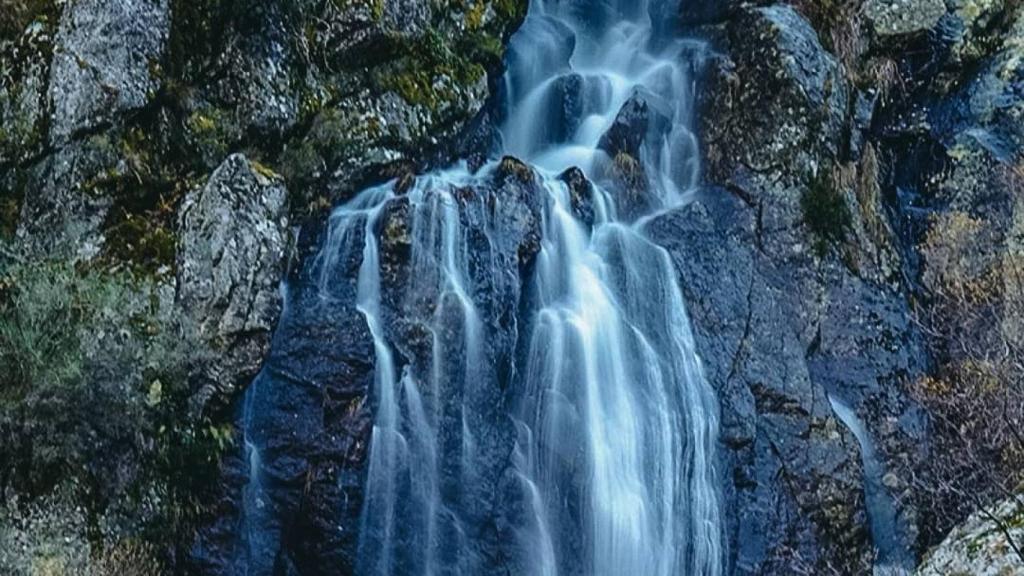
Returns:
<point x="570" y="90"/>
<point x="698" y="12"/>
<point x="462" y="357"/>
<point x="105" y="59"/>
<point x="750" y="326"/>
<point x="628" y="129"/>
<point x="988" y="107"/>
<point x="640" y="122"/>
<point x="233" y="237"/>
<point x="581" y="194"/>
<point x="633" y="125"/>
<point x="310" y="414"/>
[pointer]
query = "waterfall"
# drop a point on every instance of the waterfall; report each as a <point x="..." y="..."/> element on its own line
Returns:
<point x="557" y="423"/>
<point x="611" y="351"/>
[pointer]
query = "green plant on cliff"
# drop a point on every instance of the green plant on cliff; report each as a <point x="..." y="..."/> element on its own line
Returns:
<point x="145" y="189"/>
<point x="825" y="211"/>
<point x="94" y="398"/>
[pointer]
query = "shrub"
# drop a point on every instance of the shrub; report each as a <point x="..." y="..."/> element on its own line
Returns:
<point x="94" y="398"/>
<point x="825" y="211"/>
<point x="975" y="290"/>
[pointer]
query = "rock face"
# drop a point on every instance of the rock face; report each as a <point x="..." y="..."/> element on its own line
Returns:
<point x="792" y="305"/>
<point x="894" y="18"/>
<point x="310" y="412"/>
<point x="987" y="544"/>
<point x="233" y="237"/>
<point x="181" y="139"/>
<point x="834" y="198"/>
<point x="789" y="128"/>
<point x="104" y="64"/>
<point x="126" y="100"/>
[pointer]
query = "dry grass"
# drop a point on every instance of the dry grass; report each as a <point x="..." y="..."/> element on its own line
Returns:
<point x="975" y="398"/>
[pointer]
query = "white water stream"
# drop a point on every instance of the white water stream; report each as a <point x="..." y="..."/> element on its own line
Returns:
<point x="615" y="424"/>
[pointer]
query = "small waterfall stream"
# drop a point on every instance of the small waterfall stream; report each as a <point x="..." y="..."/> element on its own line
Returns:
<point x="570" y="413"/>
<point x="894" y="558"/>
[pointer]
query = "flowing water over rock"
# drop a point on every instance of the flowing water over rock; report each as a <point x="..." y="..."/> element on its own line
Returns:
<point x="887" y="534"/>
<point x="539" y="405"/>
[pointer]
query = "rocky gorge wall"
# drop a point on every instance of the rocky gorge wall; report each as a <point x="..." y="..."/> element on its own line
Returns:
<point x="857" y="155"/>
<point x="862" y="177"/>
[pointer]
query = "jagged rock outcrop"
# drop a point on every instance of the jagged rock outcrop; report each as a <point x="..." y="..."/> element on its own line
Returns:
<point x="232" y="241"/>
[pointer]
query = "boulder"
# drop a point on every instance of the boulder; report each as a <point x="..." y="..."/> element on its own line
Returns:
<point x="233" y="236"/>
<point x="790" y="306"/>
<point x="776" y="108"/>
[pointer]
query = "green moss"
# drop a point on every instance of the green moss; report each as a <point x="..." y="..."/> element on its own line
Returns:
<point x="144" y="187"/>
<point x="825" y="212"/>
<point x="421" y="65"/>
<point x="510" y="10"/>
<point x="143" y="242"/>
<point x="475" y="15"/>
<point x="264" y="170"/>
<point x="211" y="131"/>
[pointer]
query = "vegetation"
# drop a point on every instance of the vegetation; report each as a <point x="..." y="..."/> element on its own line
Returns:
<point x="975" y="321"/>
<point x="825" y="211"/>
<point x="77" y="348"/>
<point x="18" y="14"/>
<point x="418" y="72"/>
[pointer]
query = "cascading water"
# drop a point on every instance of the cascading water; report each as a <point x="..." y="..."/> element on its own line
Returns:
<point x="570" y="413"/>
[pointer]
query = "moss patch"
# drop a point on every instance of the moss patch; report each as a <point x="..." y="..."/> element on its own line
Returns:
<point x="146" y="187"/>
<point x="421" y="67"/>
